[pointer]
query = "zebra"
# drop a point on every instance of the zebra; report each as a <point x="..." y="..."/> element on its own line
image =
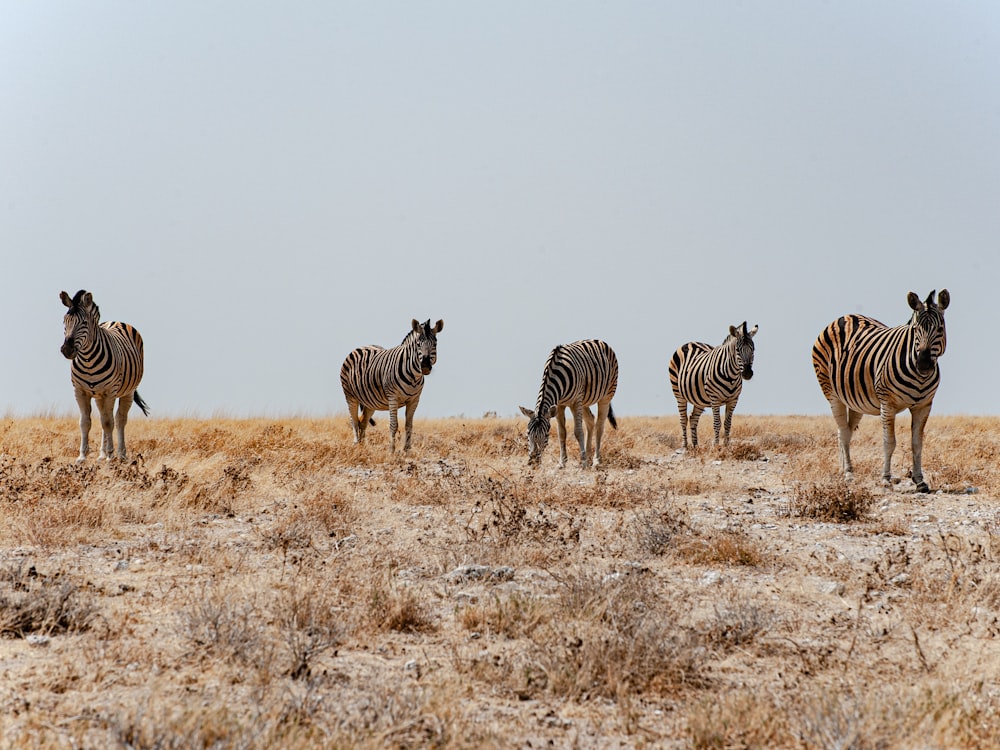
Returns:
<point x="375" y="378"/>
<point x="107" y="364"/>
<point x="865" y="367"/>
<point x="710" y="376"/>
<point x="575" y="375"/>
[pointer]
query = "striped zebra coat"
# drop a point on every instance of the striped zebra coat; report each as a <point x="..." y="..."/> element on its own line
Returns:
<point x="575" y="375"/>
<point x="865" y="367"/>
<point x="376" y="379"/>
<point x="710" y="377"/>
<point x="107" y="365"/>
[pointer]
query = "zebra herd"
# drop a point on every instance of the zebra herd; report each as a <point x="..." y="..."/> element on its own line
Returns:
<point x="863" y="367"/>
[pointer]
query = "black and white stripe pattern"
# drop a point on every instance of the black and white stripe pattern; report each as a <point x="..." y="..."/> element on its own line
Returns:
<point x="107" y="365"/>
<point x="865" y="367"/>
<point x="575" y="375"/>
<point x="710" y="377"/>
<point x="376" y="379"/>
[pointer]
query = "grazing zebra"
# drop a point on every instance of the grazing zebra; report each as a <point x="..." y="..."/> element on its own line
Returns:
<point x="374" y="378"/>
<point x="865" y="367"/>
<point x="107" y="364"/>
<point x="575" y="375"/>
<point x="710" y="376"/>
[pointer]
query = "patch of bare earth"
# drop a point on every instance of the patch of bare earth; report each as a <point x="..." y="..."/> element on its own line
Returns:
<point x="265" y="583"/>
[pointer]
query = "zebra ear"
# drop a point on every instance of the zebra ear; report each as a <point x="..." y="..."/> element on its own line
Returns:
<point x="417" y="328"/>
<point x="752" y="332"/>
<point x="943" y="299"/>
<point x="439" y="326"/>
<point x="87" y="300"/>
<point x="66" y="299"/>
<point x="914" y="301"/>
<point x="527" y="412"/>
<point x="732" y="331"/>
<point x="552" y="411"/>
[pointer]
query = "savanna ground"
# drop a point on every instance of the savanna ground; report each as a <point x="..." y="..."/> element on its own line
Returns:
<point x="265" y="583"/>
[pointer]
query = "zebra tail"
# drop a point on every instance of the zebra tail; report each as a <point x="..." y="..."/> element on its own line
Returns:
<point x="140" y="403"/>
<point x="611" y="417"/>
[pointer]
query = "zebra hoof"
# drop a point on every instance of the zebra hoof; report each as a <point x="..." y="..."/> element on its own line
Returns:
<point x="922" y="487"/>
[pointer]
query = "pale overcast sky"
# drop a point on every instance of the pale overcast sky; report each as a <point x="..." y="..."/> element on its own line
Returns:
<point x="261" y="187"/>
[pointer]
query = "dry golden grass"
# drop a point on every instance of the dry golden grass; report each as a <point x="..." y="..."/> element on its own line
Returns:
<point x="265" y="583"/>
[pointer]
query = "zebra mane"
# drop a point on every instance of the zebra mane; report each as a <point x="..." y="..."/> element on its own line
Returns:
<point x="76" y="307"/>
<point x="547" y="375"/>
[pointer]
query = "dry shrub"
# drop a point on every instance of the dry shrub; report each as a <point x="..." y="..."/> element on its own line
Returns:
<point x="686" y="486"/>
<point x="514" y="616"/>
<point x="656" y="532"/>
<point x="834" y="501"/>
<point x="32" y="603"/>
<point x="228" y="623"/>
<point x="743" y="450"/>
<point x="392" y="607"/>
<point x="308" y="627"/>
<point x="737" y="622"/>
<point x="614" y="636"/>
<point x="727" y="547"/>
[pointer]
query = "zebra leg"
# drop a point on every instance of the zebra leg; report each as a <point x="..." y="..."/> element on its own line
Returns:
<point x="411" y="409"/>
<point x="918" y="420"/>
<point x="578" y="410"/>
<point x="83" y="401"/>
<point x="106" y="408"/>
<point x="357" y="425"/>
<point x="561" y="432"/>
<point x="602" y="415"/>
<point x="716" y="422"/>
<point x="888" y="442"/>
<point x="730" y="407"/>
<point x="588" y="419"/>
<point x="364" y="420"/>
<point x="682" y="408"/>
<point x="695" y="416"/>
<point x="844" y="432"/>
<point x="393" y="424"/>
<point x="121" y="419"/>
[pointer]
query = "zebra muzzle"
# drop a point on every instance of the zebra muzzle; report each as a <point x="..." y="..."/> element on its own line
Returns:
<point x="67" y="349"/>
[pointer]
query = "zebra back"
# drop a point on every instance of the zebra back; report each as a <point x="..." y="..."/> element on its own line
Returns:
<point x="864" y="363"/>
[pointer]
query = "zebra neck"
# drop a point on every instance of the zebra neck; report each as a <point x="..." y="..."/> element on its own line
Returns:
<point x="726" y="359"/>
<point x="95" y="347"/>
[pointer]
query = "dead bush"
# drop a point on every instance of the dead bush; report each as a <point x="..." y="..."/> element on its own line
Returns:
<point x="32" y="603"/>
<point x="834" y="501"/>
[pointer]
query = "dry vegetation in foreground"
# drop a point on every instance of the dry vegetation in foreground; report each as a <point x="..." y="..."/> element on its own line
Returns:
<point x="265" y="583"/>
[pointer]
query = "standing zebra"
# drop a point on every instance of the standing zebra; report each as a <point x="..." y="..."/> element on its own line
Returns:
<point x="107" y="364"/>
<point x="865" y="367"/>
<point x="710" y="376"/>
<point x="575" y="375"/>
<point x="375" y="378"/>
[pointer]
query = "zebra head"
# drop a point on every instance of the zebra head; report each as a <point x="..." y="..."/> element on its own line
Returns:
<point x="929" y="339"/>
<point x="426" y="345"/>
<point x="538" y="432"/>
<point x="744" y="348"/>
<point x="80" y="322"/>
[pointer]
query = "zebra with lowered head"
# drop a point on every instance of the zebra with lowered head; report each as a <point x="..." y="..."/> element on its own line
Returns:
<point x="575" y="375"/>
<point x="107" y="365"/>
<point x="376" y="379"/>
<point x="865" y="367"/>
<point x="709" y="377"/>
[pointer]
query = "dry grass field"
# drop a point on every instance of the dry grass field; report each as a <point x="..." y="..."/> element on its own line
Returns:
<point x="265" y="583"/>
